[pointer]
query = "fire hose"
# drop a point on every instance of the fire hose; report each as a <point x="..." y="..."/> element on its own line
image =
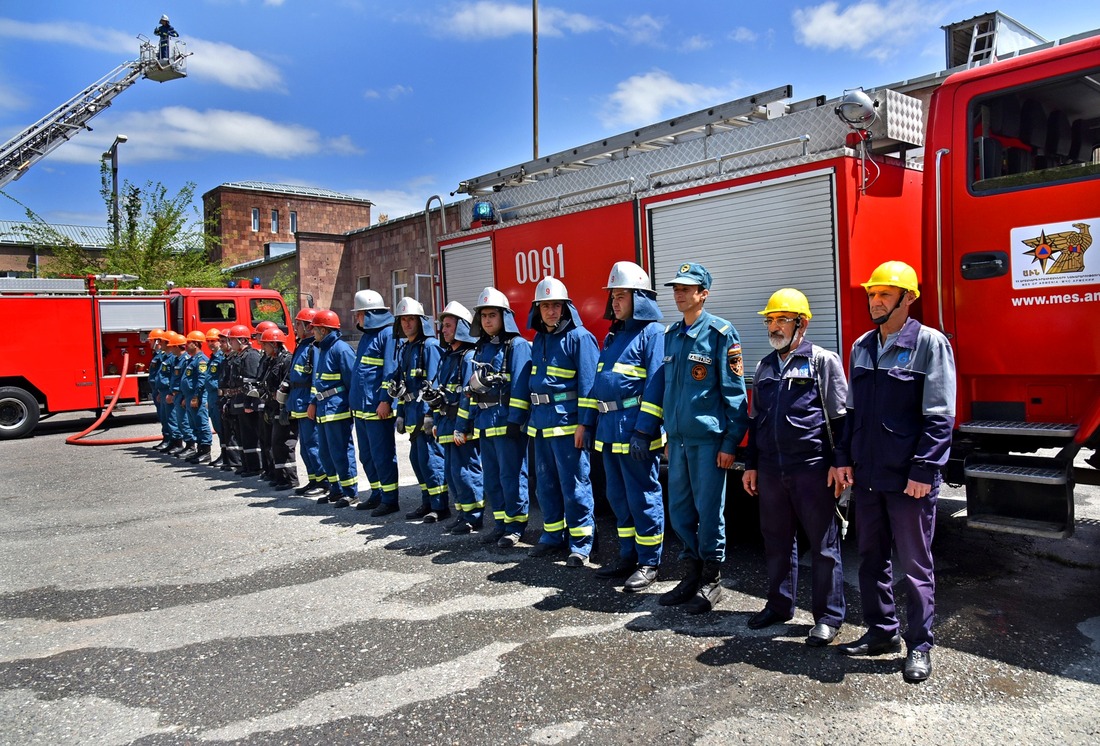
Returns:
<point x="75" y="440"/>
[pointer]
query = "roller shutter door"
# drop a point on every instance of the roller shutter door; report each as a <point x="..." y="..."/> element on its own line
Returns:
<point x="754" y="241"/>
<point x="467" y="270"/>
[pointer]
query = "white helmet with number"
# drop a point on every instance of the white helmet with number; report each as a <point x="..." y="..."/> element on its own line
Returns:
<point x="492" y="298"/>
<point x="628" y="275"/>
<point x="459" y="311"/>
<point x="368" y="300"/>
<point x="550" y="288"/>
<point x="409" y="307"/>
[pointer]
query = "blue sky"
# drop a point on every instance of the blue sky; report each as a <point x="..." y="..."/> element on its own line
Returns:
<point x="397" y="101"/>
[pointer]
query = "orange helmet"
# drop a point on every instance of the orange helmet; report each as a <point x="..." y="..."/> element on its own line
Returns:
<point x="326" y="319"/>
<point x="156" y="334"/>
<point x="262" y="327"/>
<point x="175" y="339"/>
<point x="307" y="315"/>
<point x="196" y="336"/>
<point x="212" y="334"/>
<point x="273" y="335"/>
<point x="239" y="331"/>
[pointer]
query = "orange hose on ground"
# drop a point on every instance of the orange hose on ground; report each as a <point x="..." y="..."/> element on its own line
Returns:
<point x="75" y="440"/>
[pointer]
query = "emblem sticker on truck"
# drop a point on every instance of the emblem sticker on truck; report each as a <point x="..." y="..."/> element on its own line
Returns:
<point x="1055" y="254"/>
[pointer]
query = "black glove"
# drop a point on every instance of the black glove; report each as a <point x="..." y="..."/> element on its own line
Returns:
<point x="515" y="431"/>
<point x="400" y="425"/>
<point x="589" y="440"/>
<point x="639" y="447"/>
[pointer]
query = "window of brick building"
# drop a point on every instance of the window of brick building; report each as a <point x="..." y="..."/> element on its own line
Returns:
<point x="400" y="285"/>
<point x="255" y="219"/>
<point x="363" y="283"/>
<point x="274" y="221"/>
<point x="294" y="222"/>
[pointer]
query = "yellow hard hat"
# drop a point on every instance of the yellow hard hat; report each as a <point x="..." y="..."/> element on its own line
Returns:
<point x="788" y="300"/>
<point x="895" y="274"/>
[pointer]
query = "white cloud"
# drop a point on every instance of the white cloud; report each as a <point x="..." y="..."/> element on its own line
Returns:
<point x="642" y="99"/>
<point x="274" y="3"/>
<point x="644" y="29"/>
<point x="11" y="99"/>
<point x="393" y="203"/>
<point x="743" y="35"/>
<point x="393" y="93"/>
<point x="177" y="132"/>
<point x="869" y="27"/>
<point x="213" y="60"/>
<point x="696" y="43"/>
<point x="489" y="19"/>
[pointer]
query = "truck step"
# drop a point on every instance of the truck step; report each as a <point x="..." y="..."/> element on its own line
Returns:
<point x="1015" y="427"/>
<point x="1015" y="473"/>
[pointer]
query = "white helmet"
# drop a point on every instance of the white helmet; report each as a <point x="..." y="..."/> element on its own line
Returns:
<point x="459" y="311"/>
<point x="492" y="298"/>
<point x="164" y="19"/>
<point x="368" y="300"/>
<point x="628" y="275"/>
<point x="550" y="288"/>
<point x="409" y="306"/>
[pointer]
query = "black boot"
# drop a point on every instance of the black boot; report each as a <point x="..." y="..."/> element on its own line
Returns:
<point x="203" y="456"/>
<point x="218" y="460"/>
<point x="686" y="588"/>
<point x="192" y="449"/>
<point x="178" y="446"/>
<point x="710" y="589"/>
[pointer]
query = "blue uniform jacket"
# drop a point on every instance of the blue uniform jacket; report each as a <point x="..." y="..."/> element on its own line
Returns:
<point x="417" y="363"/>
<point x="627" y="374"/>
<point x="333" y="369"/>
<point x="563" y="366"/>
<point x="493" y="420"/>
<point x="179" y="364"/>
<point x="300" y="377"/>
<point x="901" y="408"/>
<point x="455" y="368"/>
<point x="376" y="361"/>
<point x="786" y="416"/>
<point x="195" y="376"/>
<point x="704" y="383"/>
<point x="214" y="375"/>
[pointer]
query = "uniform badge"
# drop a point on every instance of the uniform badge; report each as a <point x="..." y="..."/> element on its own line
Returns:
<point x="202" y="367"/>
<point x="695" y="358"/>
<point x="735" y="360"/>
<point x="684" y="268"/>
<point x="903" y="357"/>
<point x="698" y="372"/>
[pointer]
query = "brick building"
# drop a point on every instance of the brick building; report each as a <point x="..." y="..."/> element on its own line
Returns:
<point x="255" y="220"/>
<point x="22" y="256"/>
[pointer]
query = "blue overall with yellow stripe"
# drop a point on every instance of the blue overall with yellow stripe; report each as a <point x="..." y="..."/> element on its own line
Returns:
<point x="376" y="361"/>
<point x="332" y="372"/>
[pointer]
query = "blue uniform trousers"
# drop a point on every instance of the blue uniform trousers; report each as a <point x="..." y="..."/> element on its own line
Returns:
<point x="504" y="461"/>
<point x="635" y="496"/>
<point x="214" y="412"/>
<point x="426" y="455"/>
<point x="378" y="455"/>
<point x="697" y="498"/>
<point x="887" y="518"/>
<point x="564" y="491"/>
<point x="164" y="413"/>
<point x="337" y="451"/>
<point x="183" y="422"/>
<point x="309" y="448"/>
<point x="199" y="421"/>
<point x="787" y="501"/>
<point x="464" y="479"/>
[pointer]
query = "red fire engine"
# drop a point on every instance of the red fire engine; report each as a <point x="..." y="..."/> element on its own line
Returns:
<point x="991" y="190"/>
<point x="94" y="330"/>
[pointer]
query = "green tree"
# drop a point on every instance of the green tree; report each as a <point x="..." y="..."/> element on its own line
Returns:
<point x="162" y="238"/>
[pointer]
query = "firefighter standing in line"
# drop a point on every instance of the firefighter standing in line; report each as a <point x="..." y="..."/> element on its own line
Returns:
<point x="461" y="456"/>
<point x="417" y="363"/>
<point x="300" y="380"/>
<point x="705" y="419"/>
<point x="796" y="414"/>
<point x="230" y="384"/>
<point x="333" y="368"/>
<point x="264" y="420"/>
<point x="624" y="420"/>
<point x="284" y="431"/>
<point x="501" y="357"/>
<point x="195" y="375"/>
<point x="246" y="401"/>
<point x="371" y="404"/>
<point x="180" y="398"/>
<point x="563" y="365"/>
<point x="897" y="439"/>
<point x="213" y="383"/>
<point x="156" y="342"/>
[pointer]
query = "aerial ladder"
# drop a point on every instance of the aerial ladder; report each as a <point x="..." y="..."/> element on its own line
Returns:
<point x="41" y="138"/>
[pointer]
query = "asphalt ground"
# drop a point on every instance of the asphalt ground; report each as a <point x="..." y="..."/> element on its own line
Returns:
<point x="147" y="602"/>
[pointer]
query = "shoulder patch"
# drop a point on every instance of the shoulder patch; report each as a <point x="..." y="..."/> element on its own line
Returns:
<point x="735" y="359"/>
<point x="202" y="367"/>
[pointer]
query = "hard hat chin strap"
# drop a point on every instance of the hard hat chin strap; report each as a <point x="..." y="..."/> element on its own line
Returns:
<point x="886" y="316"/>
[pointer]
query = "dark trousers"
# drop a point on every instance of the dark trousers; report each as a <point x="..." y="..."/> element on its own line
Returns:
<point x="250" y="440"/>
<point x="894" y="518"/>
<point x="787" y="502"/>
<point x="284" y="439"/>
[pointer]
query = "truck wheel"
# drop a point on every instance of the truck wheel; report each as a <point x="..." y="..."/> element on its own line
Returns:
<point x="19" y="413"/>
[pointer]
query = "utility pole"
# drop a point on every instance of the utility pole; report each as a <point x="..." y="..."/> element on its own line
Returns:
<point x="113" y="155"/>
<point x="535" y="73"/>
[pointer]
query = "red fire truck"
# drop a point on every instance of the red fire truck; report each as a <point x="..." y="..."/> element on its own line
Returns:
<point x="67" y="340"/>
<point x="987" y="181"/>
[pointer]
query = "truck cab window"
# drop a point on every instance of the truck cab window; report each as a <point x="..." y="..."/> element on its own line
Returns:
<point x="217" y="311"/>
<point x="267" y="309"/>
<point x="1037" y="135"/>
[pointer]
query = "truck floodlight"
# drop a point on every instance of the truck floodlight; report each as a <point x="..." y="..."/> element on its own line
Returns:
<point x="484" y="212"/>
<point x="857" y="109"/>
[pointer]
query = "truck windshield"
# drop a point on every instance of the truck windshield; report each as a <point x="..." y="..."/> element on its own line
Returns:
<point x="268" y="309"/>
<point x="1042" y="134"/>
